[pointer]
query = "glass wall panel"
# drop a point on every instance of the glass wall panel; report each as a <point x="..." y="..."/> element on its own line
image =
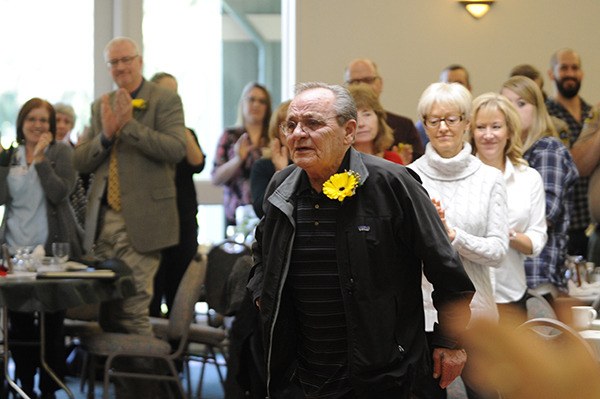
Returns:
<point x="47" y="52"/>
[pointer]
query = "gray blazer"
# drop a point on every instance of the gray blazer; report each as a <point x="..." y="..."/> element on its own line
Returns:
<point x="148" y="147"/>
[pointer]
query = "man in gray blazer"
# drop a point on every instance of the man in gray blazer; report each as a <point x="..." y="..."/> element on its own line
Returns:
<point x="141" y="126"/>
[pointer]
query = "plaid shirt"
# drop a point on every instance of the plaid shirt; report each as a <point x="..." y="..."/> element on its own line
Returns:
<point x="580" y="218"/>
<point x="554" y="163"/>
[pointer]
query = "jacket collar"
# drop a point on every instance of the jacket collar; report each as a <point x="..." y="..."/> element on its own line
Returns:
<point x="282" y="196"/>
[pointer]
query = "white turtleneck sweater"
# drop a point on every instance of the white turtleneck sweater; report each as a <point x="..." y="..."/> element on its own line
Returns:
<point x="473" y="196"/>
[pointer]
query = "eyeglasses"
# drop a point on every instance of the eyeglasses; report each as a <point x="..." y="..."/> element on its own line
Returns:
<point x="368" y="80"/>
<point x="124" y="60"/>
<point x="434" y="122"/>
<point x="32" y="119"/>
<point x="262" y="101"/>
<point x="308" y="125"/>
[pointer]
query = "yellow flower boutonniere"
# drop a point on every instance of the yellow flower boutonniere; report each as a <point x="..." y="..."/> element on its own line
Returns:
<point x="341" y="185"/>
<point x="138" y="103"/>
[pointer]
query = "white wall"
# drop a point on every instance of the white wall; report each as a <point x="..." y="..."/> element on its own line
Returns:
<point x="413" y="40"/>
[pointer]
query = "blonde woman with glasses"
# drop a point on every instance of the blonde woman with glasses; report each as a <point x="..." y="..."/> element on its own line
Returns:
<point x="471" y="200"/>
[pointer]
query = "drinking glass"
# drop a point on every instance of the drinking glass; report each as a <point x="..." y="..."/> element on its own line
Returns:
<point x="22" y="258"/>
<point x="60" y="251"/>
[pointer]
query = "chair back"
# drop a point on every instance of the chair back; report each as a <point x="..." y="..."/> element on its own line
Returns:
<point x="235" y="287"/>
<point x="220" y="264"/>
<point x="188" y="292"/>
<point x="538" y="306"/>
<point x="557" y="333"/>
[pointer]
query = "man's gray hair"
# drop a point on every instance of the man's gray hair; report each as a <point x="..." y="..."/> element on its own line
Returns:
<point x="344" y="105"/>
<point x="121" y="39"/>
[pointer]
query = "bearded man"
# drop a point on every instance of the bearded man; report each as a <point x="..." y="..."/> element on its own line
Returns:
<point x="566" y="73"/>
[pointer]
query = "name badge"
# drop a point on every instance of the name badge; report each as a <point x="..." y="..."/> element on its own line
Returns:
<point x="364" y="228"/>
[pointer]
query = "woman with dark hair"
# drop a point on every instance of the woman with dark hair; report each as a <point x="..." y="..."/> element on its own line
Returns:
<point x="373" y="135"/>
<point x="239" y="147"/>
<point x="36" y="178"/>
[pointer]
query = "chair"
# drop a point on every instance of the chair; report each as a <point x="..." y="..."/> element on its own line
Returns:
<point x="220" y="264"/>
<point x="541" y="358"/>
<point x="79" y="322"/>
<point x="227" y="269"/>
<point x="116" y="345"/>
<point x="557" y="333"/>
<point x="538" y="306"/>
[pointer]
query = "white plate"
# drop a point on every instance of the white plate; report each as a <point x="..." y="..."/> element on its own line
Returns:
<point x="100" y="274"/>
<point x="586" y="297"/>
<point x="75" y="266"/>
<point x="50" y="268"/>
<point x="592" y="335"/>
<point x="21" y="275"/>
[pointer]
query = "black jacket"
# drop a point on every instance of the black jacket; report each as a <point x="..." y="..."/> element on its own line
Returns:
<point x="384" y="232"/>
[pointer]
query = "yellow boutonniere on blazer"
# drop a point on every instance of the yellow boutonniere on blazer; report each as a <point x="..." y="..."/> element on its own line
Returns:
<point x="341" y="185"/>
<point x="138" y="103"/>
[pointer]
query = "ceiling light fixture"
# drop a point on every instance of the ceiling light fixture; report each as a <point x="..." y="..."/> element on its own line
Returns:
<point x="477" y="8"/>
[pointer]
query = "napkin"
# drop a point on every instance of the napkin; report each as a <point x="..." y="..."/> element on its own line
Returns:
<point x="38" y="253"/>
<point x="586" y="289"/>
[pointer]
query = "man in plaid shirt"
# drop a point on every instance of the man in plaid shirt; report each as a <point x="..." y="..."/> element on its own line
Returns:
<point x="565" y="71"/>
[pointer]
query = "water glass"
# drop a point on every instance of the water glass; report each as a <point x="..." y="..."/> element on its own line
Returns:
<point x="61" y="251"/>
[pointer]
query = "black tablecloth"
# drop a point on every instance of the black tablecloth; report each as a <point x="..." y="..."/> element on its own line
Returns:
<point x="28" y="295"/>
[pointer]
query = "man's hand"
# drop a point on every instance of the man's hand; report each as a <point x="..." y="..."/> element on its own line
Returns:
<point x="116" y="116"/>
<point x="109" y="121"/>
<point x="123" y="108"/>
<point x="448" y="364"/>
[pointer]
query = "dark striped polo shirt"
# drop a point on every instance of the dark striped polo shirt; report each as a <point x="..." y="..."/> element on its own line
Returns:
<point x="314" y="284"/>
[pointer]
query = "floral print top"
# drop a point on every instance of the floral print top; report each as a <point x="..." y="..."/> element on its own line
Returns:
<point x="236" y="191"/>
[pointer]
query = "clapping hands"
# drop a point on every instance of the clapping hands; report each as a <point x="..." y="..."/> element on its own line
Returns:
<point x="243" y="146"/>
<point x="44" y="141"/>
<point x="115" y="116"/>
<point x="280" y="155"/>
<point x="438" y="207"/>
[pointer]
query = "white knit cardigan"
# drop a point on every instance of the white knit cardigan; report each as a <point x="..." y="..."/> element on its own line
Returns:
<point x="473" y="196"/>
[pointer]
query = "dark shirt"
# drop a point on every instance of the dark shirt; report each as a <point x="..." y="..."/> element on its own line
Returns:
<point x="314" y="285"/>
<point x="405" y="132"/>
<point x="187" y="204"/>
<point x="580" y="218"/>
<point x="260" y="176"/>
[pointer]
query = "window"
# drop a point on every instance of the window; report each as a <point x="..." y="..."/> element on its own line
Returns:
<point x="46" y="53"/>
<point x="183" y="38"/>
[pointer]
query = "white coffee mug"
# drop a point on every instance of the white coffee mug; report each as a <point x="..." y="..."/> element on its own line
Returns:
<point x="583" y="316"/>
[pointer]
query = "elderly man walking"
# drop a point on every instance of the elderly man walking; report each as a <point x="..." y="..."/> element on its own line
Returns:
<point x="338" y="261"/>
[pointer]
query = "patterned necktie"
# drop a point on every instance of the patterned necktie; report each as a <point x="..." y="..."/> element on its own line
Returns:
<point x="114" y="187"/>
